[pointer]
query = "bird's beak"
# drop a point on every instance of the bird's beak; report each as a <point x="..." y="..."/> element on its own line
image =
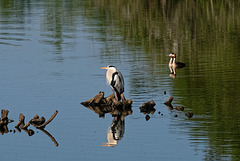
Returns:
<point x="104" y="68"/>
<point x="109" y="145"/>
<point x="105" y="145"/>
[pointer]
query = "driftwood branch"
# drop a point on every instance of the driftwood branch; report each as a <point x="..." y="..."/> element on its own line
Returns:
<point x="21" y="123"/>
<point x="169" y="101"/>
<point x="4" y="121"/>
<point x="4" y="113"/>
<point x="36" y="121"/>
<point x="4" y="118"/>
<point x="95" y="100"/>
<point x="47" y="122"/>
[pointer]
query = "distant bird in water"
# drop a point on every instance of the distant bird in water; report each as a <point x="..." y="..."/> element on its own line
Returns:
<point x="115" y="80"/>
<point x="173" y="63"/>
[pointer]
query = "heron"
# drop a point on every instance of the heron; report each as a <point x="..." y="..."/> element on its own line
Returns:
<point x="115" y="80"/>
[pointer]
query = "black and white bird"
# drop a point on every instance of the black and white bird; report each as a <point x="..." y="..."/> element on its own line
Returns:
<point x="173" y="63"/>
<point x="115" y="80"/>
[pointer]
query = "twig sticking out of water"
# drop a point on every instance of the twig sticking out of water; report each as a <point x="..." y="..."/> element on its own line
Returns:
<point x="42" y="119"/>
<point x="21" y="123"/>
<point x="37" y="122"/>
<point x="169" y="101"/>
<point x="4" y="121"/>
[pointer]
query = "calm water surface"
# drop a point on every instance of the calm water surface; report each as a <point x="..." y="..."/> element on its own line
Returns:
<point x="50" y="59"/>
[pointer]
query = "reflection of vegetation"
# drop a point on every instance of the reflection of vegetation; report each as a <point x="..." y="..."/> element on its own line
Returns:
<point x="205" y="35"/>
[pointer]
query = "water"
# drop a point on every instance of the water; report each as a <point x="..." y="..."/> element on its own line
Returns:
<point x="50" y="59"/>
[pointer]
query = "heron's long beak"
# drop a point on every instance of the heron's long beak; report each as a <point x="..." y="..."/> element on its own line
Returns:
<point x="109" y="145"/>
<point x="105" y="145"/>
<point x="104" y="68"/>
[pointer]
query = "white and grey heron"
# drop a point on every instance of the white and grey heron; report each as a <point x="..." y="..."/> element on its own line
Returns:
<point x="115" y="80"/>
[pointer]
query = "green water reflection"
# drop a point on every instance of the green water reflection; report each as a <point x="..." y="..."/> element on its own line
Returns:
<point x="204" y="34"/>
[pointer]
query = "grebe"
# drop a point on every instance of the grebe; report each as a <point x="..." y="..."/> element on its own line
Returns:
<point x="171" y="59"/>
<point x="115" y="80"/>
<point x="173" y="62"/>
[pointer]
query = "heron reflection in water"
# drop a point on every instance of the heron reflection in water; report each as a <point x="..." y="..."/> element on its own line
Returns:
<point x="173" y="64"/>
<point x="116" y="131"/>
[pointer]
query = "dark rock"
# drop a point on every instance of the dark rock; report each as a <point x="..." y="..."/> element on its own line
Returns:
<point x="189" y="114"/>
<point x="147" y="117"/>
<point x="169" y="101"/>
<point x="30" y="132"/>
<point x="180" y="108"/>
<point x="148" y="107"/>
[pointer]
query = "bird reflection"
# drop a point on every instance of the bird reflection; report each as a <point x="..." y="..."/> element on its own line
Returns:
<point x="173" y="65"/>
<point x="117" y="128"/>
<point x="116" y="131"/>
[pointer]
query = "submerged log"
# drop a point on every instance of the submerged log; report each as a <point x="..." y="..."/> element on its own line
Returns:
<point x="169" y="101"/>
<point x="179" y="108"/>
<point x="98" y="99"/>
<point x="189" y="114"/>
<point x="101" y="105"/>
<point x="4" y="121"/>
<point x="21" y="123"/>
<point x="148" y="107"/>
<point x="38" y="123"/>
<point x="42" y="121"/>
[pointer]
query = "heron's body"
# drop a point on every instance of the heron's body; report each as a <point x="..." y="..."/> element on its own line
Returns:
<point x="115" y="80"/>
